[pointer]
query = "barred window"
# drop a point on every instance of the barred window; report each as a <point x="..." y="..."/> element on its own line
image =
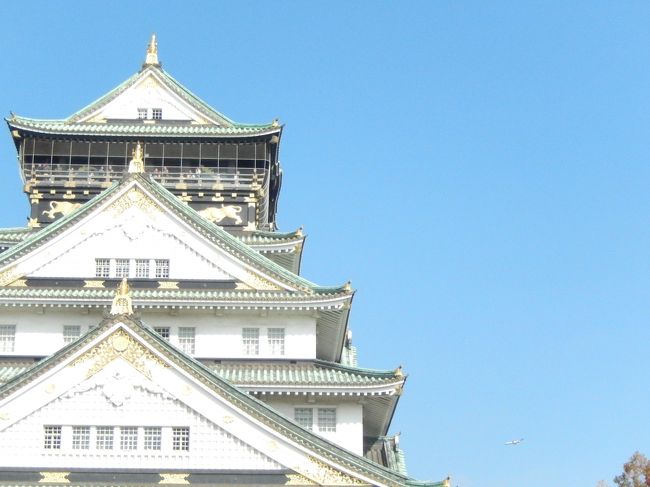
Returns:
<point x="162" y="268"/>
<point x="251" y="341"/>
<point x="181" y="439"/>
<point x="7" y="338"/>
<point x="187" y="339"/>
<point x="163" y="331"/>
<point x="276" y="341"/>
<point x="104" y="437"/>
<point x="102" y="267"/>
<point x="142" y="268"/>
<point x="327" y="420"/>
<point x="80" y="437"/>
<point x="122" y="267"/>
<point x="156" y="113"/>
<point x="304" y="417"/>
<point x="71" y="333"/>
<point x="142" y="113"/>
<point x="52" y="437"/>
<point x="152" y="438"/>
<point x="129" y="438"/>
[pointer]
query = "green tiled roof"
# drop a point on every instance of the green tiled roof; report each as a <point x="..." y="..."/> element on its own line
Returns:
<point x="260" y="237"/>
<point x="221" y="125"/>
<point x="311" y="373"/>
<point x="14" y="235"/>
<point x="211" y="231"/>
<point x="230" y="393"/>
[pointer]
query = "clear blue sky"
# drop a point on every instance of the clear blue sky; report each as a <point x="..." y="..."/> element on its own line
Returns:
<point x="479" y="170"/>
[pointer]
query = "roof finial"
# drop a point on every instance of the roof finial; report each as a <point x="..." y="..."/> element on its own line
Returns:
<point x="122" y="303"/>
<point x="152" y="53"/>
<point x="137" y="163"/>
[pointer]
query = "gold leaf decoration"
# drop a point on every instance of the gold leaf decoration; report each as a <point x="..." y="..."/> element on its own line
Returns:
<point x="323" y="474"/>
<point x="119" y="345"/>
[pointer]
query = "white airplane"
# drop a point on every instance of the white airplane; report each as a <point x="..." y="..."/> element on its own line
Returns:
<point x="514" y="442"/>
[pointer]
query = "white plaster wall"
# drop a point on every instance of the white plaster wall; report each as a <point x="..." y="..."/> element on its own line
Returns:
<point x="349" y="419"/>
<point x="148" y="93"/>
<point x="40" y="333"/>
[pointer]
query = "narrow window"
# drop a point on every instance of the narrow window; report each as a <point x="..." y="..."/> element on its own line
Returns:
<point x="52" y="437"/>
<point x="276" y="341"/>
<point x="129" y="438"/>
<point x="304" y="417"/>
<point x="163" y="331"/>
<point x="80" y="437"/>
<point x="162" y="268"/>
<point x="71" y="333"/>
<point x="251" y="341"/>
<point x="142" y="113"/>
<point x="187" y="339"/>
<point x="327" y="420"/>
<point x="104" y="437"/>
<point x="102" y="267"/>
<point x="122" y="268"/>
<point x="181" y="439"/>
<point x="156" y="113"/>
<point x="7" y="338"/>
<point x="152" y="437"/>
<point x="142" y="268"/>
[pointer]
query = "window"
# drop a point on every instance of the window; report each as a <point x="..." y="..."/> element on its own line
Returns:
<point x="276" y="341"/>
<point x="71" y="333"/>
<point x="152" y="436"/>
<point x="156" y="113"/>
<point x="121" y="267"/>
<point x="163" y="331"/>
<point x="181" y="439"/>
<point x="162" y="268"/>
<point x="142" y="113"/>
<point x="52" y="437"/>
<point x="7" y="338"/>
<point x="304" y="417"/>
<point x="80" y="437"/>
<point x="142" y="268"/>
<point x="128" y="438"/>
<point x="102" y="267"/>
<point x="326" y="420"/>
<point x="104" y="438"/>
<point x="251" y="341"/>
<point x="186" y="339"/>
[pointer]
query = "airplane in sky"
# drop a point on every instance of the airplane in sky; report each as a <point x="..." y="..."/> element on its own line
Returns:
<point x="514" y="442"/>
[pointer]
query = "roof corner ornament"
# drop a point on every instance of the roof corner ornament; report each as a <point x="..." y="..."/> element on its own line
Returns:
<point x="122" y="302"/>
<point x="152" y="53"/>
<point x="136" y="165"/>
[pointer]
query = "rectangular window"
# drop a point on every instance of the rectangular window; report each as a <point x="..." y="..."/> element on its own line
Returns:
<point x="251" y="341"/>
<point x="162" y="268"/>
<point x="142" y="268"/>
<point x="163" y="331"/>
<point x="152" y="438"/>
<point x="156" y="113"/>
<point x="52" y="437"/>
<point x="142" y="113"/>
<point x="102" y="267"/>
<point x="122" y="267"/>
<point x="187" y="339"/>
<point x="128" y="438"/>
<point x="71" y="333"/>
<point x="80" y="437"/>
<point x="104" y="437"/>
<point x="275" y="338"/>
<point x="7" y="338"/>
<point x="181" y="439"/>
<point x="304" y="417"/>
<point x="327" y="420"/>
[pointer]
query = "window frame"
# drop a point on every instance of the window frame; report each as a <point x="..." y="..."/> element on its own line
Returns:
<point x="250" y="343"/>
<point x="7" y="338"/>
<point x="187" y="339"/>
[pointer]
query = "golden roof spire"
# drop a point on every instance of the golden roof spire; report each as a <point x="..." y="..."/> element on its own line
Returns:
<point x="137" y="162"/>
<point x="122" y="303"/>
<point x="152" y="53"/>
